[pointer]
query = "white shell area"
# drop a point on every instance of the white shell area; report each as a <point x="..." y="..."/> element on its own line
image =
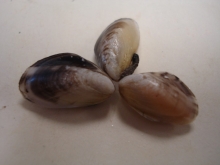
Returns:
<point x="116" y="45"/>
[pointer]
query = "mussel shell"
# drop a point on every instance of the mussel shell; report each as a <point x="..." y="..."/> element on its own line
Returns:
<point x="65" y="80"/>
<point x="160" y="97"/>
<point x="115" y="48"/>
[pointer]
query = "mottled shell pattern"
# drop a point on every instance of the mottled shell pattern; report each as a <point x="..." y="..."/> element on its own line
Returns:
<point x="115" y="48"/>
<point x="65" y="80"/>
<point x="160" y="97"/>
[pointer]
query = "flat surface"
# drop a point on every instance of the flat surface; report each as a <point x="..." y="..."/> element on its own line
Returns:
<point x="181" y="37"/>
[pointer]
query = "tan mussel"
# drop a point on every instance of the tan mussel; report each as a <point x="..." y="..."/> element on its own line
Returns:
<point x="65" y="80"/>
<point x="159" y="97"/>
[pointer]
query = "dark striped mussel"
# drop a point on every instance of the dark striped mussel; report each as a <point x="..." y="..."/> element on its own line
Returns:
<point x="65" y="80"/>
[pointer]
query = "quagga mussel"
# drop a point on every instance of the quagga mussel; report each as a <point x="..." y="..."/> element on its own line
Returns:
<point x="67" y="80"/>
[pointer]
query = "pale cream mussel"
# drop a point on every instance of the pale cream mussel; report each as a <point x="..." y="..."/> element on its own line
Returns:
<point x="65" y="80"/>
<point x="160" y="97"/>
<point x="116" y="47"/>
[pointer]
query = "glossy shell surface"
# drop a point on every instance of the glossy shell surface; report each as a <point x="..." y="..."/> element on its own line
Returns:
<point x="65" y="80"/>
<point x="160" y="97"/>
<point x="115" y="48"/>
